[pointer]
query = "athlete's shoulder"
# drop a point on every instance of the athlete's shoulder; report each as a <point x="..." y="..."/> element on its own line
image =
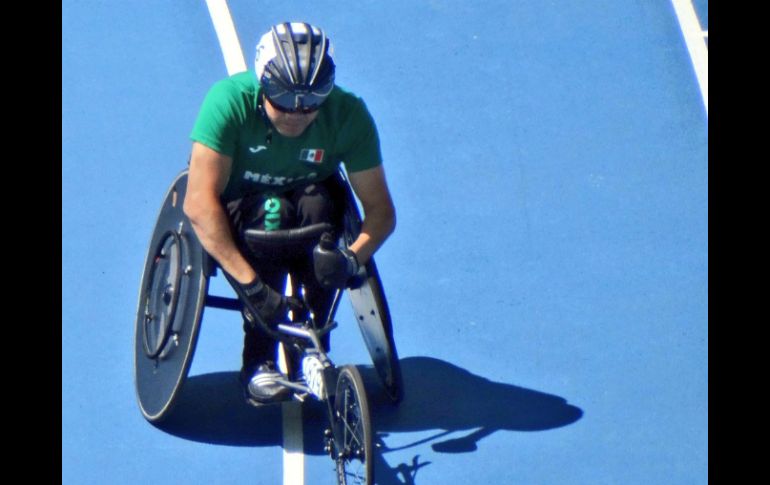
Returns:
<point x="237" y="86"/>
<point x="347" y="106"/>
<point x="344" y="97"/>
<point x="232" y="98"/>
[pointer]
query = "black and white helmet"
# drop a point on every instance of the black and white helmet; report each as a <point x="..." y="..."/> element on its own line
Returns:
<point x="294" y="66"/>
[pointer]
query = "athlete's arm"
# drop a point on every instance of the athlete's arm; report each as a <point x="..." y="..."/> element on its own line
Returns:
<point x="379" y="222"/>
<point x="207" y="179"/>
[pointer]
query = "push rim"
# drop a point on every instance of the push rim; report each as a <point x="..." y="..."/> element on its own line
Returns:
<point x="162" y="294"/>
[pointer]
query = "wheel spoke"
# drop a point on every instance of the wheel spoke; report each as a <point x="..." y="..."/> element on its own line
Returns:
<point x="352" y="431"/>
<point x="353" y="434"/>
<point x="353" y="450"/>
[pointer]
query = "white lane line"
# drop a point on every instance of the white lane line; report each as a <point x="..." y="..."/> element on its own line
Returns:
<point x="291" y="412"/>
<point x="228" y="38"/>
<point x="696" y="45"/>
<point x="293" y="448"/>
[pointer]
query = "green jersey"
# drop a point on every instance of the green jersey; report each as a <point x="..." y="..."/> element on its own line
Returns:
<point x="264" y="161"/>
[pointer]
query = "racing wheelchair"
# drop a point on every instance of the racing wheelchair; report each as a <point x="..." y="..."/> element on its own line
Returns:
<point x="174" y="293"/>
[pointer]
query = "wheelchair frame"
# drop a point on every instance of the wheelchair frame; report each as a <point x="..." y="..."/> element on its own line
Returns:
<point x="174" y="292"/>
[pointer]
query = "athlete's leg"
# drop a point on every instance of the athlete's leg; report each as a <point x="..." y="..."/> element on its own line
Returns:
<point x="314" y="205"/>
<point x="263" y="213"/>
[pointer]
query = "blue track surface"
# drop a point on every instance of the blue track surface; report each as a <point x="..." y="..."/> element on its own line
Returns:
<point x="547" y="279"/>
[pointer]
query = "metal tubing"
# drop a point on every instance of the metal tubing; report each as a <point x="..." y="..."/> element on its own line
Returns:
<point x="224" y="303"/>
<point x="301" y="332"/>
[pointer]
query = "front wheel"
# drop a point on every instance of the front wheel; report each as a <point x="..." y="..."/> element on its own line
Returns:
<point x="352" y="444"/>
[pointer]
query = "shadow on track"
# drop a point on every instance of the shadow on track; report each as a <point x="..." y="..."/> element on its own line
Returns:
<point x="438" y="396"/>
<point x="443" y="397"/>
<point x="211" y="409"/>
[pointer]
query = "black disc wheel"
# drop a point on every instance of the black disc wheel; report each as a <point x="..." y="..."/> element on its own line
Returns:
<point x="370" y="305"/>
<point x="384" y="353"/>
<point x="373" y="316"/>
<point x="352" y="444"/>
<point x="172" y="296"/>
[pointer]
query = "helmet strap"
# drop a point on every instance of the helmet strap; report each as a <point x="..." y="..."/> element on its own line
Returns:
<point x="261" y="108"/>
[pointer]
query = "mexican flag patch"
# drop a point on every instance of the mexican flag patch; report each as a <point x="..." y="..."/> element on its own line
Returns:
<point x="312" y="155"/>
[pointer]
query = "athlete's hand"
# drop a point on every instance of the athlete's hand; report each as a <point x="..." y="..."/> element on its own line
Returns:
<point x="334" y="267"/>
<point x="272" y="306"/>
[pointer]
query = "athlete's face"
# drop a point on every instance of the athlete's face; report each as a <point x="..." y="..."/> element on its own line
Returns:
<point x="289" y="124"/>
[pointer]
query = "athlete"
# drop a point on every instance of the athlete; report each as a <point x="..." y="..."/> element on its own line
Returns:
<point x="266" y="145"/>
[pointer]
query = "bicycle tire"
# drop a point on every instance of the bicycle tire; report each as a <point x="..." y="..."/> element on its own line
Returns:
<point x="353" y="448"/>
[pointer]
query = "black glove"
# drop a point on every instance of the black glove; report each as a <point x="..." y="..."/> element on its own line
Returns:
<point x="271" y="305"/>
<point x="334" y="267"/>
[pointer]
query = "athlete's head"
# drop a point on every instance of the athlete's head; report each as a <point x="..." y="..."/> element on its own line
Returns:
<point x="294" y="66"/>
